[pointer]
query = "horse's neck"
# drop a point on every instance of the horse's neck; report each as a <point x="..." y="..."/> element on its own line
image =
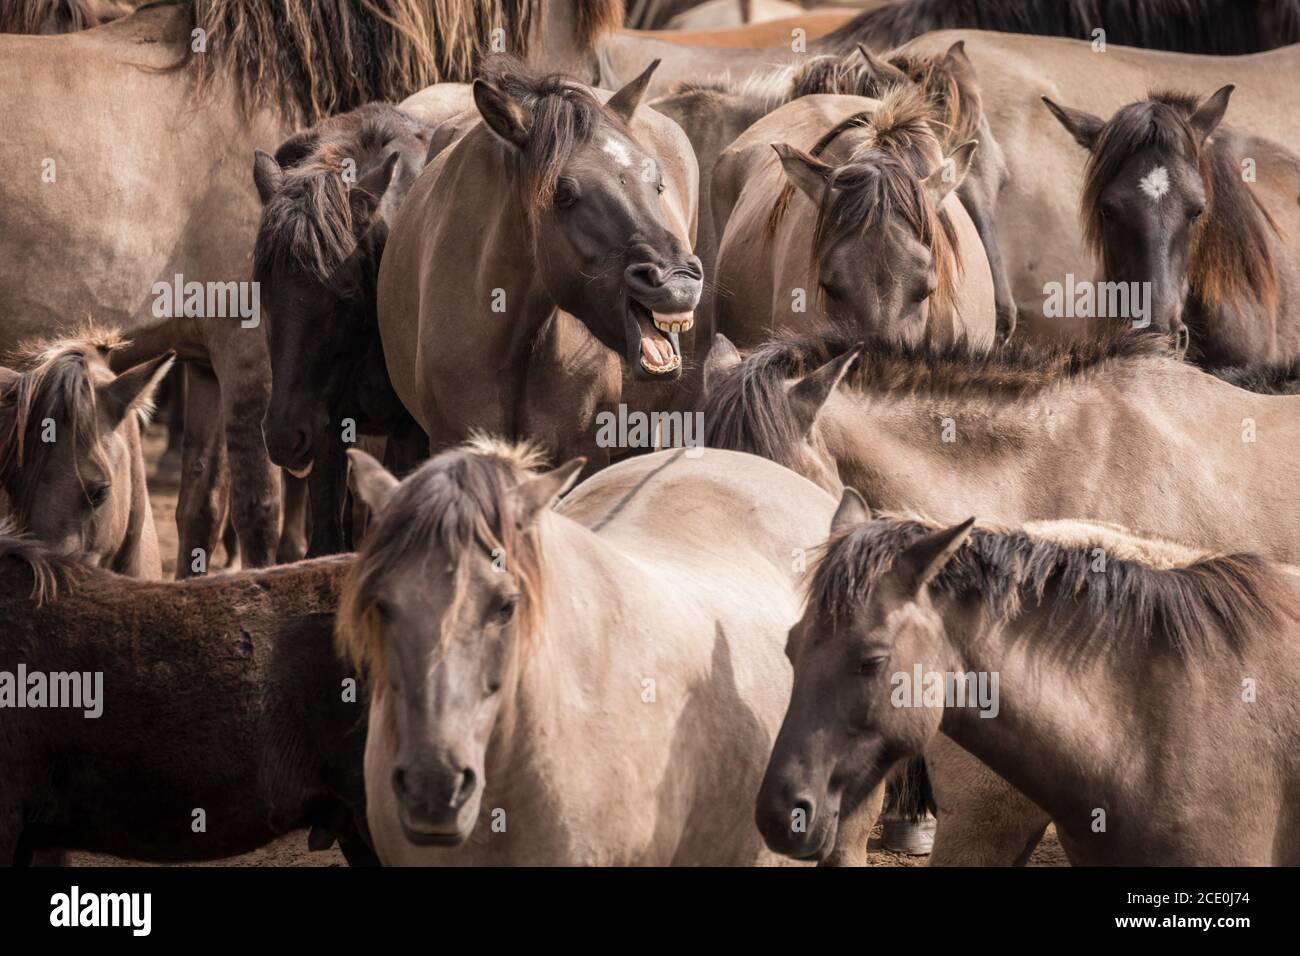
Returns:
<point x="554" y="45"/>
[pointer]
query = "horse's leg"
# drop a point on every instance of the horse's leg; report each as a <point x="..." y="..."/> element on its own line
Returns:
<point x="293" y="534"/>
<point x="855" y="830"/>
<point x="199" y="508"/>
<point x="983" y="820"/>
<point x="244" y="370"/>
<point x="328" y="481"/>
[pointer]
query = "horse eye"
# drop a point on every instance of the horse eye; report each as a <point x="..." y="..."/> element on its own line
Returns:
<point x="660" y="189"/>
<point x="1107" y="213"/>
<point x="506" y="609"/>
<point x="98" y="495"/>
<point x="384" y="609"/>
<point x="1195" y="213"/>
<point x="565" y="194"/>
<point x="871" y="665"/>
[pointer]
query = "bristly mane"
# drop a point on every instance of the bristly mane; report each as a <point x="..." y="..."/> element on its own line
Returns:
<point x="1117" y="605"/>
<point x="1266" y="378"/>
<point x="54" y="384"/>
<point x="1231" y="256"/>
<point x="458" y="502"/>
<point x="308" y="224"/>
<point x="747" y="409"/>
<point x="881" y="180"/>
<point x="46" y="16"/>
<point x="315" y="58"/>
<point x="48" y="571"/>
<point x="565" y="115"/>
<point x="1184" y="26"/>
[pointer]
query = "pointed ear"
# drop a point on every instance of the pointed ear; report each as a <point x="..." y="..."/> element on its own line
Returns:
<point x="957" y="58"/>
<point x="810" y="394"/>
<point x="373" y="483"/>
<point x="369" y="190"/>
<point x="804" y="171"/>
<point x="883" y="73"/>
<point x="1084" y="127"/>
<point x="721" y="357"/>
<point x="1208" y="115"/>
<point x="267" y="174"/>
<point x="924" y="558"/>
<point x="852" y="511"/>
<point x="535" y="496"/>
<point x="950" y="173"/>
<point x="133" y="390"/>
<point x="624" y="103"/>
<point x="503" y="115"/>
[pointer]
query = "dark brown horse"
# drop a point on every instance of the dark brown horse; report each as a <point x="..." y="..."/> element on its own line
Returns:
<point x="221" y="695"/>
<point x="1203" y="214"/>
<point x="329" y="196"/>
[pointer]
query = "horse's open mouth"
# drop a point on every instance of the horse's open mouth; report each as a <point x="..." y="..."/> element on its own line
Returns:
<point x="660" y="350"/>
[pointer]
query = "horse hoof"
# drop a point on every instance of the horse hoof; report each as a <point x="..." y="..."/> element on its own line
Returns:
<point x="913" y="837"/>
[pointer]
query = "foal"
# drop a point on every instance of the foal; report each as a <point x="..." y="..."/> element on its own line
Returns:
<point x="1124" y="672"/>
<point x="71" y="459"/>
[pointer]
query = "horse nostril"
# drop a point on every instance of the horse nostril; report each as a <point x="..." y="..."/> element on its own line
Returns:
<point x="645" y="274"/>
<point x="464" y="788"/>
<point x="801" y="815"/>
<point x="399" y="783"/>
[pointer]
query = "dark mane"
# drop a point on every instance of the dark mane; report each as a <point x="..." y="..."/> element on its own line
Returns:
<point x="1184" y="26"/>
<point x="746" y="408"/>
<point x="565" y="115"/>
<point x="1266" y="378"/>
<point x="335" y="55"/>
<point x="1231" y="257"/>
<point x="457" y="501"/>
<point x="308" y="224"/>
<point x="47" y="571"/>
<point x="1122" y="604"/>
<point x="46" y="16"/>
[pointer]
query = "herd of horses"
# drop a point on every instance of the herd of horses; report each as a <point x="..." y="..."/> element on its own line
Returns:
<point x="990" y="312"/>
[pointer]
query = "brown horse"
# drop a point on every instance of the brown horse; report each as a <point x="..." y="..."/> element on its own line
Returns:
<point x="476" y="612"/>
<point x="1167" y="202"/>
<point x="859" y="229"/>
<point x="93" y="217"/>
<point x="552" y="217"/>
<point x="213" y="715"/>
<point x="330" y="195"/>
<point x="1030" y="651"/>
<point x="71" y="459"/>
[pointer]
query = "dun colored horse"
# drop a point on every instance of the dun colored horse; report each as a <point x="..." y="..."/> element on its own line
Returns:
<point x="71" y="456"/>
<point x="1029" y="652"/>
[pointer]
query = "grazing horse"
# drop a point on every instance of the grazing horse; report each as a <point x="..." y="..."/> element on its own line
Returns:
<point x="553" y="217"/>
<point x="71" y="457"/>
<point x="330" y="195"/>
<point x="1166" y="201"/>
<point x="860" y="229"/>
<point x="220" y="694"/>
<point x="1019" y="645"/>
<point x="952" y="432"/>
<point x="587" y="685"/>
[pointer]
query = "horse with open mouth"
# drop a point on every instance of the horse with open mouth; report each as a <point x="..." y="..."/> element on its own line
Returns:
<point x="551" y="208"/>
<point x="1003" y="639"/>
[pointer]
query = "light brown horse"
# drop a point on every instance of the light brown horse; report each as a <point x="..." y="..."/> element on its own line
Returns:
<point x="1153" y="676"/>
<point x="71" y="456"/>
<point x="481" y="617"/>
<point x="863" y="228"/>
<point x="1203" y="214"/>
<point x="949" y="433"/>
<point x="541" y="265"/>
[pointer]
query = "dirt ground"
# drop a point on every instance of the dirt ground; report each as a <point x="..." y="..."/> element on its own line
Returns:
<point x="291" y="849"/>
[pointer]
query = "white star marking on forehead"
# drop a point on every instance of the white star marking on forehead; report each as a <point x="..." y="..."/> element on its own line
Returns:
<point x="1155" y="183"/>
<point x="622" y="155"/>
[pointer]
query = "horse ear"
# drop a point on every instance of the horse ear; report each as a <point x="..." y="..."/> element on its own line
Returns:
<point x="369" y="191"/>
<point x="503" y="115"/>
<point x="804" y="171"/>
<point x="924" y="558"/>
<point x="884" y="73"/>
<point x="853" y="511"/>
<point x="373" y="483"/>
<point x="950" y="173"/>
<point x="536" y="495"/>
<point x="1084" y="127"/>
<point x="956" y="55"/>
<point x="721" y="357"/>
<point x="267" y="174"/>
<point x="810" y="394"/>
<point x="624" y="103"/>
<point x="1208" y="115"/>
<point x="133" y="390"/>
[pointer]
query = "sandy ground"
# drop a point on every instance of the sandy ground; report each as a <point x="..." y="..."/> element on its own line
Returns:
<point x="291" y="849"/>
